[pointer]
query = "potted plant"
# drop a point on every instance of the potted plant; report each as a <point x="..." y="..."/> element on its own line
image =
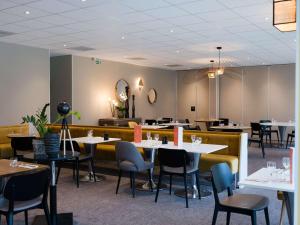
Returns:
<point x="40" y="122"/>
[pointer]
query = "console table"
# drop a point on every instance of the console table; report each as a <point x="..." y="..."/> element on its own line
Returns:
<point x="122" y="122"/>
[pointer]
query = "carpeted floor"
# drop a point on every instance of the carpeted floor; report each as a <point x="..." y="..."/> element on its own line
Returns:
<point x="96" y="203"/>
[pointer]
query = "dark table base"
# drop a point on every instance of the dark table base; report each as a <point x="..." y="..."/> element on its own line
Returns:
<point x="62" y="219"/>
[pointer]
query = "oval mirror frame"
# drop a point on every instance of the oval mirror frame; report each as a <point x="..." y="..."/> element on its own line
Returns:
<point x="120" y="90"/>
<point x="152" y="96"/>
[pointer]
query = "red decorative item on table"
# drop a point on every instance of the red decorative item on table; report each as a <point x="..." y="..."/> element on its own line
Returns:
<point x="137" y="133"/>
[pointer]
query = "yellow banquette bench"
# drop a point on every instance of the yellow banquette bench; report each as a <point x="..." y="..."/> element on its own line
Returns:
<point x="235" y="154"/>
<point x="5" y="142"/>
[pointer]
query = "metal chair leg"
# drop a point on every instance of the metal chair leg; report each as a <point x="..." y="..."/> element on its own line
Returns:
<point x="186" y="191"/>
<point x="170" y="186"/>
<point x="133" y="185"/>
<point x="253" y="218"/>
<point x="267" y="216"/>
<point x="282" y="212"/>
<point x="228" y="218"/>
<point x="215" y="217"/>
<point x="119" y="180"/>
<point x="150" y="180"/>
<point x="158" y="186"/>
<point x="26" y="217"/>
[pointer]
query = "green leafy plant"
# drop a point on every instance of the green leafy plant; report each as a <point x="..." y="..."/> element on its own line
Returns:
<point x="40" y="120"/>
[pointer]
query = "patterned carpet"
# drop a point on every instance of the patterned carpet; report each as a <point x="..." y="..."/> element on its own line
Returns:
<point x="96" y="203"/>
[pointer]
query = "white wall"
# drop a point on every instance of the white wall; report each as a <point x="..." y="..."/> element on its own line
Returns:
<point x="94" y="83"/>
<point x="24" y="81"/>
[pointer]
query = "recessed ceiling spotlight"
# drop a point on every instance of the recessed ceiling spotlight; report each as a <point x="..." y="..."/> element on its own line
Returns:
<point x="264" y="63"/>
<point x="267" y="18"/>
<point x="177" y="51"/>
<point x="65" y="45"/>
<point x="295" y="40"/>
<point x="27" y="12"/>
<point x="83" y="0"/>
<point x="171" y="31"/>
<point x="122" y="37"/>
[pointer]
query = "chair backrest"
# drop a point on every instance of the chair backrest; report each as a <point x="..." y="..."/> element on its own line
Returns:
<point x="126" y="151"/>
<point x="173" y="157"/>
<point x="22" y="143"/>
<point x="167" y="119"/>
<point x="255" y="126"/>
<point x="225" y="121"/>
<point x="68" y="146"/>
<point x="222" y="179"/>
<point x="28" y="186"/>
<point x="150" y="121"/>
<point x="264" y="126"/>
<point x="131" y="124"/>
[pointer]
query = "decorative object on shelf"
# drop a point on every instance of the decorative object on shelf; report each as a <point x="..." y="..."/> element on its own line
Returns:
<point x="220" y="70"/>
<point x="113" y="104"/>
<point x="152" y="96"/>
<point x="284" y="15"/>
<point x="140" y="84"/>
<point x="133" y="107"/>
<point x="120" y="90"/>
<point x="211" y="72"/>
<point x="127" y="102"/>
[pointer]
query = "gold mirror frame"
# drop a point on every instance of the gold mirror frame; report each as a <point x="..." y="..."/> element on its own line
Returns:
<point x="120" y="90"/>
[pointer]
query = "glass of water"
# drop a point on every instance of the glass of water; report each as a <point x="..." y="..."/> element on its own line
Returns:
<point x="14" y="162"/>
<point x="271" y="165"/>
<point x="156" y="137"/>
<point x="90" y="133"/>
<point x="198" y="140"/>
<point x="193" y="138"/>
<point x="149" y="135"/>
<point x="286" y="162"/>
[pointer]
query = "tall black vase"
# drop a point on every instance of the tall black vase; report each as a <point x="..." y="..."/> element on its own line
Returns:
<point x="133" y="107"/>
<point x="127" y="103"/>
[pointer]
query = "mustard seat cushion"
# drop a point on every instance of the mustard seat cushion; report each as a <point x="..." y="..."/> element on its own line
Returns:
<point x="280" y="195"/>
<point x="208" y="160"/>
<point x="5" y="151"/>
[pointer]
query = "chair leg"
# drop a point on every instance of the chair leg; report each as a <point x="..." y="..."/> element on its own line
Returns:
<point x="73" y="164"/>
<point x="26" y="217"/>
<point x="58" y="173"/>
<point x="170" y="186"/>
<point x="46" y="211"/>
<point x="267" y="216"/>
<point x="287" y="141"/>
<point x="133" y="185"/>
<point x="130" y="175"/>
<point x="215" y="216"/>
<point x="186" y="192"/>
<point x="10" y="218"/>
<point x="263" y="149"/>
<point x="119" y="180"/>
<point x="150" y="180"/>
<point x="282" y="212"/>
<point x="277" y="137"/>
<point x="93" y="169"/>
<point x="228" y="218"/>
<point x="158" y="186"/>
<point x="198" y="184"/>
<point x="77" y="173"/>
<point x="253" y="218"/>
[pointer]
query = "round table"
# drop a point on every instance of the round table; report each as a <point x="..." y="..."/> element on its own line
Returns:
<point x="55" y="218"/>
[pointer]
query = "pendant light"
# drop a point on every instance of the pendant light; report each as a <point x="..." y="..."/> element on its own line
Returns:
<point x="284" y="15"/>
<point x="211" y="73"/>
<point x="220" y="70"/>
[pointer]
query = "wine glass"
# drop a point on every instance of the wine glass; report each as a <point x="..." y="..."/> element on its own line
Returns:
<point x="156" y="137"/>
<point x="286" y="162"/>
<point x="193" y="138"/>
<point x="148" y="135"/>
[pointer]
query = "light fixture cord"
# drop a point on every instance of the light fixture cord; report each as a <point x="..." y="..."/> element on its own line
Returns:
<point x="219" y="58"/>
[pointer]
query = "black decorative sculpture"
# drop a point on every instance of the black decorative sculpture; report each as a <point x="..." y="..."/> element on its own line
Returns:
<point x="133" y="106"/>
<point x="127" y="102"/>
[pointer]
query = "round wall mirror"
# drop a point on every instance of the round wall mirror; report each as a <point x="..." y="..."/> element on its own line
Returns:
<point x="122" y="90"/>
<point x="152" y="96"/>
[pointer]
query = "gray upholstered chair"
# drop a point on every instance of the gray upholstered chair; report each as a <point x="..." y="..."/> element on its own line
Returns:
<point x="129" y="159"/>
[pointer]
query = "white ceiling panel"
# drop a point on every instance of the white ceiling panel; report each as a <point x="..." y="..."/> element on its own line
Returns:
<point x="162" y="31"/>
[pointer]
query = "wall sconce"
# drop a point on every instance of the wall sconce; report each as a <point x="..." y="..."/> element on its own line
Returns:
<point x="140" y="84"/>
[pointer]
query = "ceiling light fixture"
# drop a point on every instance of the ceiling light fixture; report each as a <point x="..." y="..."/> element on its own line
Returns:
<point x="122" y="37"/>
<point x="65" y="45"/>
<point x="211" y="73"/>
<point x="220" y="70"/>
<point x="27" y="12"/>
<point x="284" y="15"/>
<point x="171" y="31"/>
<point x="83" y="0"/>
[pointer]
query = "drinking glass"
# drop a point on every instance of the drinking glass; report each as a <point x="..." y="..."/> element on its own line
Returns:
<point x="286" y="162"/>
<point x="193" y="138"/>
<point x="148" y="135"/>
<point x="90" y="133"/>
<point x="156" y="137"/>
<point x="271" y="165"/>
<point x="14" y="162"/>
<point x="198" y="140"/>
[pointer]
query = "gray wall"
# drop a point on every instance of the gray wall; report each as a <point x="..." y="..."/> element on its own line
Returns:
<point x="94" y="83"/>
<point x="60" y="83"/>
<point x="24" y="81"/>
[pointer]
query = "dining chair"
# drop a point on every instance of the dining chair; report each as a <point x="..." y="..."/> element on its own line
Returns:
<point x="129" y="159"/>
<point x="197" y="127"/>
<point x="257" y="131"/>
<point x="176" y="163"/>
<point x="21" y="146"/>
<point x="247" y="204"/>
<point x="268" y="130"/>
<point x="225" y="121"/>
<point x="131" y="124"/>
<point x="25" y="192"/>
<point x="290" y="138"/>
<point x="83" y="157"/>
<point x="150" y="121"/>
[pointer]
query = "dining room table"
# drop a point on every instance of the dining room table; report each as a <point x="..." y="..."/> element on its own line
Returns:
<point x="176" y="124"/>
<point x="154" y="127"/>
<point x="208" y="121"/>
<point x="231" y="127"/>
<point x="197" y="149"/>
<point x="90" y="144"/>
<point x="282" y="126"/>
<point x="275" y="180"/>
<point x="20" y="141"/>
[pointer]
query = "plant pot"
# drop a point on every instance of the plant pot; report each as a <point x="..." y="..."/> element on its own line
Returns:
<point x="52" y="144"/>
<point x="38" y="146"/>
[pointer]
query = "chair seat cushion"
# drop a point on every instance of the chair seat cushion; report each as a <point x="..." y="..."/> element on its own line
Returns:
<point x="280" y="195"/>
<point x="5" y="151"/>
<point x="246" y="201"/>
<point x="129" y="166"/>
<point x="19" y="205"/>
<point x="208" y="160"/>
<point x="179" y="170"/>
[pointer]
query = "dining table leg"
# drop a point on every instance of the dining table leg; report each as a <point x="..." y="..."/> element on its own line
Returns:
<point x="89" y="177"/>
<point x="282" y="131"/>
<point x="289" y="201"/>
